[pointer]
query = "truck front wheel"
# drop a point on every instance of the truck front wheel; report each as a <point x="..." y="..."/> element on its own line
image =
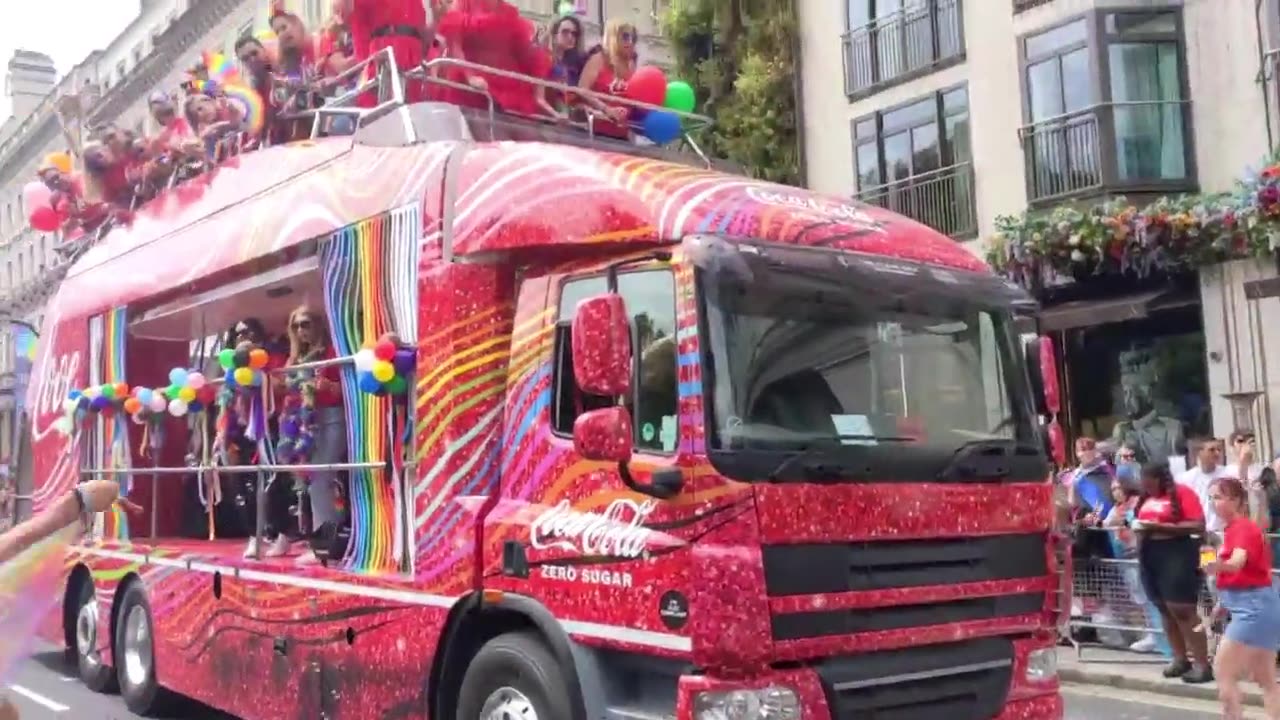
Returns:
<point x="514" y="677"/>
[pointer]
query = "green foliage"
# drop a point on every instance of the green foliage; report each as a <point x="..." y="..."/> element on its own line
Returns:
<point x="739" y="56"/>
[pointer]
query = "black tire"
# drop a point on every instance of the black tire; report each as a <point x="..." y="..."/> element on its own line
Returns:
<point x="519" y="661"/>
<point x="143" y="695"/>
<point x="95" y="675"/>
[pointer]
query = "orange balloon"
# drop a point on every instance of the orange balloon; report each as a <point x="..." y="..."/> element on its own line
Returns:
<point x="122" y="390"/>
<point x="132" y="405"/>
<point x="258" y="358"/>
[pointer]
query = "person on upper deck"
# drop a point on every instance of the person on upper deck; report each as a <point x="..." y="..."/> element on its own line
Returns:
<point x="258" y="66"/>
<point x="608" y="68"/>
<point x="400" y="25"/>
<point x="318" y="394"/>
<point x="567" y="59"/>
<point x="493" y="33"/>
<point x="294" y="74"/>
<point x="214" y="120"/>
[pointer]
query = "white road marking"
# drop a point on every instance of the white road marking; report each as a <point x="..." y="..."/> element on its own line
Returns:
<point x="39" y="699"/>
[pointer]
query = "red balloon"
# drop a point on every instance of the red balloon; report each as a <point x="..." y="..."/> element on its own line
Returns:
<point x="207" y="394"/>
<point x="44" y="219"/>
<point x="385" y="350"/>
<point x="648" y="85"/>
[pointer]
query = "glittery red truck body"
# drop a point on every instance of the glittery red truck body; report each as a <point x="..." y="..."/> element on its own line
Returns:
<point x="815" y="490"/>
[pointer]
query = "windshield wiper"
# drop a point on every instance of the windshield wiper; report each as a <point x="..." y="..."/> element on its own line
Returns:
<point x="803" y="459"/>
<point x="984" y="458"/>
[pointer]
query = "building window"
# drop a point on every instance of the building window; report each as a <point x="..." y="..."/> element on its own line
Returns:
<point x="1107" y="107"/>
<point x="916" y="160"/>
<point x="888" y="41"/>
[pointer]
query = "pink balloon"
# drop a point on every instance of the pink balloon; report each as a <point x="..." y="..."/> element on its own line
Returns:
<point x="35" y="195"/>
<point x="44" y="219"/>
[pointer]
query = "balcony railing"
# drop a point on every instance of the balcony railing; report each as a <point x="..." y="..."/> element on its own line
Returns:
<point x="902" y="44"/>
<point x="943" y="199"/>
<point x="1121" y="147"/>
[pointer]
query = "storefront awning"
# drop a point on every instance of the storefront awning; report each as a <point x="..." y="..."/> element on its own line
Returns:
<point x="1088" y="313"/>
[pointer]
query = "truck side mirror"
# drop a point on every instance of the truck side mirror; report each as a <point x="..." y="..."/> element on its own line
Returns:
<point x="604" y="434"/>
<point x="601" y="337"/>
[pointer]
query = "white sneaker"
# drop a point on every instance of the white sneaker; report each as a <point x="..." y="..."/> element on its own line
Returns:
<point x="308" y="558"/>
<point x="251" y="550"/>
<point x="278" y="547"/>
<point x="1145" y="645"/>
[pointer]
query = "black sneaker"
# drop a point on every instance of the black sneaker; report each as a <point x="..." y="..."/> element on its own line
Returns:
<point x="1198" y="675"/>
<point x="1177" y="668"/>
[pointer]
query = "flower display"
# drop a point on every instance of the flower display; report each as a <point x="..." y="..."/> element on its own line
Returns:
<point x="1118" y="237"/>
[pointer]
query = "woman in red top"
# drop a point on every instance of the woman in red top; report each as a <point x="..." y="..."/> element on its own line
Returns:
<point x="322" y="391"/>
<point x="1168" y="514"/>
<point x="1243" y="567"/>
<point x="609" y="66"/>
<point x="397" y="24"/>
<point x="493" y="33"/>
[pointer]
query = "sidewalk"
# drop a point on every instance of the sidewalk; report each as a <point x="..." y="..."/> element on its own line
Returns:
<point x="1131" y="671"/>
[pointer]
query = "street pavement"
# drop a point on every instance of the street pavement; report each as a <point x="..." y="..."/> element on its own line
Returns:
<point x="46" y="689"/>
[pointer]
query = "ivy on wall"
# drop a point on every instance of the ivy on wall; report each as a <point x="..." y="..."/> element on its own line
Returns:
<point x="739" y="55"/>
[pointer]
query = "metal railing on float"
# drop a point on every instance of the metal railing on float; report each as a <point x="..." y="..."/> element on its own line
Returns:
<point x="261" y="470"/>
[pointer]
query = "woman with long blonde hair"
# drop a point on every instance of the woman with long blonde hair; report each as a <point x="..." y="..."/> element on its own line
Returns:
<point x="608" y="68"/>
<point x="313" y="401"/>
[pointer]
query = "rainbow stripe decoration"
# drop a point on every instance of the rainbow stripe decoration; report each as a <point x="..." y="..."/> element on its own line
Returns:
<point x="25" y="341"/>
<point x="351" y="262"/>
<point x="115" y="429"/>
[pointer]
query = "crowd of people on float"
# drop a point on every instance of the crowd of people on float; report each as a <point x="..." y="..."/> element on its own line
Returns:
<point x="294" y="69"/>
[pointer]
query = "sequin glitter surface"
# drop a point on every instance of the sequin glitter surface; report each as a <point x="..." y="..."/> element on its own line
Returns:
<point x="491" y="478"/>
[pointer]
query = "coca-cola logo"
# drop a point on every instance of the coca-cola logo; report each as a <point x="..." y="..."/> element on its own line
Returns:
<point x="811" y="203"/>
<point x="56" y="382"/>
<point x="617" y="532"/>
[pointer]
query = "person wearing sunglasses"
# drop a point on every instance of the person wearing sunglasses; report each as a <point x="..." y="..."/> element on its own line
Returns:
<point x="608" y="68"/>
<point x="567" y="58"/>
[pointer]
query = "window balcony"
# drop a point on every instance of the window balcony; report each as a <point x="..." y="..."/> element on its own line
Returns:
<point x="943" y="199"/>
<point x="901" y="45"/>
<point x="1120" y="148"/>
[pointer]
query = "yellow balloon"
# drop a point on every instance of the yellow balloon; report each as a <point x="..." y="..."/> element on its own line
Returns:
<point x="244" y="376"/>
<point x="187" y="394"/>
<point x="59" y="160"/>
<point x="383" y="371"/>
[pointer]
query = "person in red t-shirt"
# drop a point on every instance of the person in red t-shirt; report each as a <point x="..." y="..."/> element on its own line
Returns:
<point x="1243" y="569"/>
<point x="1168" y="514"/>
<point x="308" y="343"/>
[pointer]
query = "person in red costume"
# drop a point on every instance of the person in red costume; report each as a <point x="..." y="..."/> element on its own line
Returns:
<point x="493" y="33"/>
<point x="397" y="24"/>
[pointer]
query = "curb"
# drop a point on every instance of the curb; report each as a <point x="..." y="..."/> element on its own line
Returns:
<point x="1172" y="688"/>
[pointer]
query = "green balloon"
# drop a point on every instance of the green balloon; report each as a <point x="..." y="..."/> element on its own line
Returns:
<point x="109" y="391"/>
<point x="172" y="391"/>
<point x="227" y="358"/>
<point x="680" y="97"/>
<point x="397" y="385"/>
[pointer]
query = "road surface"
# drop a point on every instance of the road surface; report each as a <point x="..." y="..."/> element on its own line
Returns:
<point x="44" y="689"/>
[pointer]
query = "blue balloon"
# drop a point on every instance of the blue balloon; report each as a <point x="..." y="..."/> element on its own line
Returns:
<point x="73" y="395"/>
<point x="144" y="396"/>
<point x="661" y="127"/>
<point x="194" y="406"/>
<point x="82" y="402"/>
<point x="230" y="378"/>
<point x="178" y="376"/>
<point x="368" y="383"/>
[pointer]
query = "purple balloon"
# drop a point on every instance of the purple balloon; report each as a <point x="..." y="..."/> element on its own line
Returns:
<point x="99" y="403"/>
<point x="404" y="361"/>
<point x="289" y="429"/>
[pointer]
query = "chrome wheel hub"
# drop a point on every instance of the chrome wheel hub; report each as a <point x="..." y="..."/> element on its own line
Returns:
<point x="507" y="704"/>
<point x="87" y="633"/>
<point x="137" y="650"/>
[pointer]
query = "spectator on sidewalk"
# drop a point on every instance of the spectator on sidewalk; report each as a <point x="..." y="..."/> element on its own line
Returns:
<point x="1243" y="569"/>
<point x="1208" y="456"/>
<point x="1125" y="491"/>
<point x="1167" y="516"/>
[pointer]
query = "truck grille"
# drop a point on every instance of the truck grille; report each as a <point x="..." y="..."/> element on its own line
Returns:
<point x="813" y="569"/>
<point x="956" y="681"/>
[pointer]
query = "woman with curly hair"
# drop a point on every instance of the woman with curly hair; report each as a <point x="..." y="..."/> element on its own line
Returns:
<point x="1166" y="519"/>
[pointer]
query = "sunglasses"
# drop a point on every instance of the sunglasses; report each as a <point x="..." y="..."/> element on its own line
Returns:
<point x="1127" y="456"/>
<point x="302" y="325"/>
<point x="566" y="30"/>
<point x="627" y="35"/>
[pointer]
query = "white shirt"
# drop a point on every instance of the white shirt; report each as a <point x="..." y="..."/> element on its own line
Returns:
<point x="1199" y="480"/>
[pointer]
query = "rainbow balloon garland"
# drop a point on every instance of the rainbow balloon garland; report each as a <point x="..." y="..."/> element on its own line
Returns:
<point x="383" y="367"/>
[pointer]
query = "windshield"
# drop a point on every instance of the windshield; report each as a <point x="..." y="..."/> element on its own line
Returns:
<point x="818" y="348"/>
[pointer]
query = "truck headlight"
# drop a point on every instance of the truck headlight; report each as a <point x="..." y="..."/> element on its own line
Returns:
<point x="1042" y="664"/>
<point x="769" y="703"/>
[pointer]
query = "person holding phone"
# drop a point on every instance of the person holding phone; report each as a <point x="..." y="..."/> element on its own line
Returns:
<point x="1243" y="569"/>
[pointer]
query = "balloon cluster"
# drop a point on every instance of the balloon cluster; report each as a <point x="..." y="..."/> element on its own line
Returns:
<point x="649" y="85"/>
<point x="383" y="367"/>
<point x="244" y="365"/>
<point x="188" y="391"/>
<point x="105" y="398"/>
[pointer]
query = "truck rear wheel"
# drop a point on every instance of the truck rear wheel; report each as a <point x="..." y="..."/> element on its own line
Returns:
<point x="514" y="677"/>
<point x="135" y="655"/>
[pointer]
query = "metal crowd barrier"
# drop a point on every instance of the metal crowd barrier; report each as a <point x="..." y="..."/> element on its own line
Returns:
<point x="1109" y="602"/>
